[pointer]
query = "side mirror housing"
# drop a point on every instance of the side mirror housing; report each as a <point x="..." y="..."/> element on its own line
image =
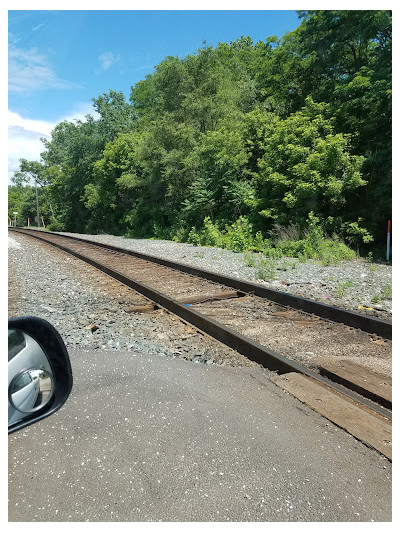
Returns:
<point x="39" y="371"/>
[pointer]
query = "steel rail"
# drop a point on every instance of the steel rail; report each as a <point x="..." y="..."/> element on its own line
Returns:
<point x="251" y="349"/>
<point x="368" y="324"/>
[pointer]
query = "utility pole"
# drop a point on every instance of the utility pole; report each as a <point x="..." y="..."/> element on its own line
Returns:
<point x="37" y="204"/>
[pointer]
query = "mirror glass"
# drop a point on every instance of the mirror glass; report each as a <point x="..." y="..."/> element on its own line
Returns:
<point x="30" y="390"/>
<point x="30" y="377"/>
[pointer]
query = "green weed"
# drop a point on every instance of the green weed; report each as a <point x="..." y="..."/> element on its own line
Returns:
<point x="285" y="265"/>
<point x="249" y="259"/>
<point x="386" y="292"/>
<point x="194" y="237"/>
<point x="370" y="257"/>
<point x="342" y="286"/>
<point x="289" y="242"/>
<point x="266" y="270"/>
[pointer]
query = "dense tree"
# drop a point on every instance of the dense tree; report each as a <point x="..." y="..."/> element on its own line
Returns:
<point x="350" y="68"/>
<point x="304" y="166"/>
<point x="116" y="115"/>
<point x="69" y="157"/>
<point x="264" y="132"/>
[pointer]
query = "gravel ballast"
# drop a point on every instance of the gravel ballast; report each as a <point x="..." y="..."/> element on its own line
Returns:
<point x="348" y="285"/>
<point x="87" y="306"/>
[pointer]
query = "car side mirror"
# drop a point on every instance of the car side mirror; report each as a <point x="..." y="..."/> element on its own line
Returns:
<point x="39" y="371"/>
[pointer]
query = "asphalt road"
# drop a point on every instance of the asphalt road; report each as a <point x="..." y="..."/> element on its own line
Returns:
<point x="150" y="438"/>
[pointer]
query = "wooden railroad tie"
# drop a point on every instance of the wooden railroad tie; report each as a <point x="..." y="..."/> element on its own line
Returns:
<point x="148" y="308"/>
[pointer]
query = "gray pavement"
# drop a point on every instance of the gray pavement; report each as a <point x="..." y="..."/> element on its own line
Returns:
<point x="152" y="438"/>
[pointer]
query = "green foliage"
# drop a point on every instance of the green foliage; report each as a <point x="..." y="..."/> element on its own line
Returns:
<point x="355" y="233"/>
<point x="229" y="143"/>
<point x="315" y="245"/>
<point x="266" y="270"/>
<point x="376" y="298"/>
<point x="22" y="199"/>
<point x="55" y="225"/>
<point x="302" y="167"/>
<point x="342" y="286"/>
<point x="249" y="259"/>
<point x="193" y="237"/>
<point x="331" y="252"/>
<point x="239" y="236"/>
<point x="210" y="234"/>
<point x="386" y="292"/>
<point x="370" y="257"/>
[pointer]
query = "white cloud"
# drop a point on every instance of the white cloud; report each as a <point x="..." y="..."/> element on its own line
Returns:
<point x="80" y="111"/>
<point x="107" y="60"/>
<point x="38" y="27"/>
<point x="22" y="144"/>
<point x="38" y="126"/>
<point x="24" y="134"/>
<point x="24" y="139"/>
<point x="28" y="71"/>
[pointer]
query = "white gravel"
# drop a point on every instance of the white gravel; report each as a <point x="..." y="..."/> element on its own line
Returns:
<point x="349" y="284"/>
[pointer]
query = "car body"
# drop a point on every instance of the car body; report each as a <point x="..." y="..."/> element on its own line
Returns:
<point x="39" y="371"/>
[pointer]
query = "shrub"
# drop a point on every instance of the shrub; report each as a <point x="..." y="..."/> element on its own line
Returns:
<point x="249" y="259"/>
<point x="313" y="245"/>
<point x="210" y="234"/>
<point x="386" y="292"/>
<point x="355" y="233"/>
<point x="292" y="232"/>
<point x="55" y="225"/>
<point x="332" y="252"/>
<point x="266" y="270"/>
<point x="258" y="243"/>
<point x="291" y="248"/>
<point x="376" y="298"/>
<point x="160" y="232"/>
<point x="239" y="236"/>
<point x="193" y="237"/>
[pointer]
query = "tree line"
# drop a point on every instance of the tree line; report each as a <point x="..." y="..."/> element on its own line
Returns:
<point x="274" y="134"/>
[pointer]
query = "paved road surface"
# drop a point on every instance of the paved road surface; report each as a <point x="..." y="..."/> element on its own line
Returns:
<point x="150" y="438"/>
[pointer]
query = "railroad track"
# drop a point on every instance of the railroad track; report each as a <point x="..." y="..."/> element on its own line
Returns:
<point x="275" y="329"/>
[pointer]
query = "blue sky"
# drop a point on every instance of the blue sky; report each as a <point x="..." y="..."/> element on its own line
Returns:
<point x="60" y="60"/>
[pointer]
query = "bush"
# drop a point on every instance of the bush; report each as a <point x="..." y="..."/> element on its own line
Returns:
<point x="314" y="245"/>
<point x="180" y="234"/>
<point x="290" y="248"/>
<point x="194" y="237"/>
<point x="55" y="225"/>
<point x="239" y="236"/>
<point x="386" y="292"/>
<point x="210" y="234"/>
<point x="266" y="270"/>
<point x="326" y="250"/>
<point x="332" y="251"/>
<point x="160" y="232"/>
<point x="249" y="259"/>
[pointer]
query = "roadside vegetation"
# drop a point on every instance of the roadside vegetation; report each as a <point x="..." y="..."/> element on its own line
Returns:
<point x="281" y="147"/>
